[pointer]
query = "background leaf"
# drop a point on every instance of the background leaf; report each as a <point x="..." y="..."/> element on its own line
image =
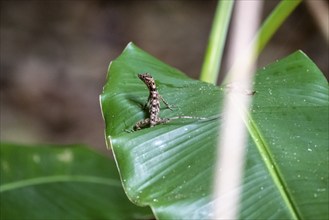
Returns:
<point x="71" y="182"/>
<point x="170" y="166"/>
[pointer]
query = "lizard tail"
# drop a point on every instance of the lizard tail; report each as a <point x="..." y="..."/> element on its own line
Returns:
<point x="196" y="118"/>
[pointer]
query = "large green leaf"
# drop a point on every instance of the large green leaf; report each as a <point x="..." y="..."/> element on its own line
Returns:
<point x="170" y="166"/>
<point x="70" y="182"/>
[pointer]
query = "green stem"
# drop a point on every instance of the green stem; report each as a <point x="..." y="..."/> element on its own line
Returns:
<point x="273" y="22"/>
<point x="268" y="29"/>
<point x="214" y="52"/>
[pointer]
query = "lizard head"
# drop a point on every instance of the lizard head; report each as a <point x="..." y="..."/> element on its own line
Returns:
<point x="148" y="80"/>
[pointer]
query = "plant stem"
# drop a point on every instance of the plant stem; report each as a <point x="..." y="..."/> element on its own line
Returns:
<point x="268" y="29"/>
<point x="273" y="22"/>
<point x="214" y="52"/>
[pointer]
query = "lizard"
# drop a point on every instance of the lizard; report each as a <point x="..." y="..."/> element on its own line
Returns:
<point x="153" y="105"/>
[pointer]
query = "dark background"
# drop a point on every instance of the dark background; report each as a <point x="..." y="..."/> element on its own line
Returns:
<point x="55" y="54"/>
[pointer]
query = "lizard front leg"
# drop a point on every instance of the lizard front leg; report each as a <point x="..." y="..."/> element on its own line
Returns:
<point x="165" y="102"/>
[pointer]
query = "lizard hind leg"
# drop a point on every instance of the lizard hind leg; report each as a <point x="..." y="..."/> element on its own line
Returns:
<point x="141" y="124"/>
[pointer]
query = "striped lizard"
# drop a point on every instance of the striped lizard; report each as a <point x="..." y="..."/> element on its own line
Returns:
<point x="153" y="106"/>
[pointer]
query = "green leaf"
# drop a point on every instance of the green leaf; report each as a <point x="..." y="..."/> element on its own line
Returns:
<point x="71" y="182"/>
<point x="170" y="166"/>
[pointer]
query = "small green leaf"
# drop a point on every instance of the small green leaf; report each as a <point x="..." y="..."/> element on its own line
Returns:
<point x="71" y="182"/>
<point x="170" y="166"/>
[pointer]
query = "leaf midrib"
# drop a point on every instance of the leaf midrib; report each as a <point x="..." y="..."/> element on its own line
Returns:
<point x="270" y="165"/>
<point x="58" y="178"/>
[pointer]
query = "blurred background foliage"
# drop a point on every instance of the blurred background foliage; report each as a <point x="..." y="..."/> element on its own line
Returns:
<point x="55" y="55"/>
